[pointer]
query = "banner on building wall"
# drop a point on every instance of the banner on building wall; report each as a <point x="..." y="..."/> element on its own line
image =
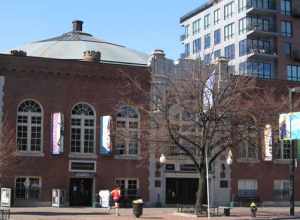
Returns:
<point x="208" y="92"/>
<point x="268" y="142"/>
<point x="57" y="133"/>
<point x="105" y="138"/>
<point x="289" y="126"/>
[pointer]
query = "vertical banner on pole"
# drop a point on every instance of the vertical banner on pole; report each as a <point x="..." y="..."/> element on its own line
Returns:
<point x="268" y="142"/>
<point x="57" y="134"/>
<point x="105" y="138"/>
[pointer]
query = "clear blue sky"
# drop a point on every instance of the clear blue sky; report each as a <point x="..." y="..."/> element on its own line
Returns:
<point x="139" y="24"/>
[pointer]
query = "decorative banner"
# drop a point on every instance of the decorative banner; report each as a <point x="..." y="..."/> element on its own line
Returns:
<point x="105" y="140"/>
<point x="289" y="126"/>
<point x="208" y="92"/>
<point x="268" y="142"/>
<point x="229" y="157"/>
<point x="57" y="133"/>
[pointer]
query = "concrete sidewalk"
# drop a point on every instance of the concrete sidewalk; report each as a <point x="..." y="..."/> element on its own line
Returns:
<point x="43" y="213"/>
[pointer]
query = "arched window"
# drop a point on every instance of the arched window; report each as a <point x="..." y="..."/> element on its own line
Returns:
<point x="83" y="120"/>
<point x="29" y="127"/>
<point x="128" y="122"/>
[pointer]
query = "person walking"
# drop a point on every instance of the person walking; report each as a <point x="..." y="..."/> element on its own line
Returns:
<point x="116" y="195"/>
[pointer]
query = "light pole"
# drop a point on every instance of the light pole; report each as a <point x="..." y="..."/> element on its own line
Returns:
<point x="207" y="184"/>
<point x="292" y="164"/>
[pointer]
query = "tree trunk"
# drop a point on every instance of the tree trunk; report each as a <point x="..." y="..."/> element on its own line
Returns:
<point x="201" y="197"/>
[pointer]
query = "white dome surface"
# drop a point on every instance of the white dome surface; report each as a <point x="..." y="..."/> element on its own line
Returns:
<point x="71" y="45"/>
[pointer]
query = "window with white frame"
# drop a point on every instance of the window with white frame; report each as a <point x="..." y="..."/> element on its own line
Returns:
<point x="286" y="7"/>
<point x="242" y="25"/>
<point x="229" y="51"/>
<point x="182" y="122"/>
<point x="129" y="186"/>
<point x="29" y="127"/>
<point x="206" y="21"/>
<point x="196" y="26"/>
<point x="247" y="188"/>
<point x="197" y="45"/>
<point x="242" y="5"/>
<point x="283" y="151"/>
<point x="83" y="122"/>
<point x="207" y="41"/>
<point x="216" y="16"/>
<point x="128" y="123"/>
<point x="286" y="28"/>
<point x="28" y="188"/>
<point x="248" y="144"/>
<point x="228" y="10"/>
<point x="186" y="30"/>
<point x="228" y="31"/>
<point x="293" y="72"/>
<point x="281" y="190"/>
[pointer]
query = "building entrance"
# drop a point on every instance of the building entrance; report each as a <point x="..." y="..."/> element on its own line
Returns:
<point x="181" y="190"/>
<point x="81" y="191"/>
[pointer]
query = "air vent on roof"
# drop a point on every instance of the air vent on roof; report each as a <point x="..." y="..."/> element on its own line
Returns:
<point x="19" y="53"/>
<point x="91" y="56"/>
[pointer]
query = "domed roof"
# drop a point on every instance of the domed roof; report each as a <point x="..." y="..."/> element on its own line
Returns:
<point x="72" y="45"/>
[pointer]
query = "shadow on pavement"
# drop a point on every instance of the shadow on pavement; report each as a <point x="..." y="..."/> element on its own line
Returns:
<point x="58" y="213"/>
<point x="151" y="217"/>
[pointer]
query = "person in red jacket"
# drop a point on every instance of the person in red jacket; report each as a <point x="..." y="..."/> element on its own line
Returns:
<point x="116" y="195"/>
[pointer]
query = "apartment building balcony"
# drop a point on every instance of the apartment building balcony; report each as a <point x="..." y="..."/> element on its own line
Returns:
<point x="183" y="56"/>
<point x="183" y="37"/>
<point x="261" y="31"/>
<point x="254" y="10"/>
<point x="262" y="54"/>
<point x="296" y="54"/>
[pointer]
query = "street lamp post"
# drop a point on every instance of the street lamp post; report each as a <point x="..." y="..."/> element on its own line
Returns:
<point x="293" y="159"/>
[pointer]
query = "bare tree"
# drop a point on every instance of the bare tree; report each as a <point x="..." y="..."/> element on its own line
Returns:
<point x="8" y="159"/>
<point x="203" y="112"/>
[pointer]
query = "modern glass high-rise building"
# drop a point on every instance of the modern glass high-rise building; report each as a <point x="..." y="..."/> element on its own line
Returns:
<point x="259" y="37"/>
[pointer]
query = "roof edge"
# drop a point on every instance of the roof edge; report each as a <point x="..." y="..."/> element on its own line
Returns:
<point x="197" y="10"/>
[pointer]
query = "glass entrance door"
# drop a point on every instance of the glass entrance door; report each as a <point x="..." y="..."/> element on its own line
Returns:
<point x="81" y="191"/>
<point x="181" y="190"/>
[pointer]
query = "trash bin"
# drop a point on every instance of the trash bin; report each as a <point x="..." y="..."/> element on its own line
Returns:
<point x="137" y="207"/>
<point x="227" y="211"/>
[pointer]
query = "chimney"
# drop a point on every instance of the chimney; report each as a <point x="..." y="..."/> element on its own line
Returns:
<point x="159" y="54"/>
<point x="77" y="26"/>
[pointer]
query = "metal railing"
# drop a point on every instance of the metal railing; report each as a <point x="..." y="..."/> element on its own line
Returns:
<point x="263" y="51"/>
<point x="261" y="27"/>
<point x="183" y="37"/>
<point x="252" y="4"/>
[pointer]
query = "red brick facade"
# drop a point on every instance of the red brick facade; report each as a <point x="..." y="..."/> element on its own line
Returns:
<point x="265" y="172"/>
<point x="57" y="85"/>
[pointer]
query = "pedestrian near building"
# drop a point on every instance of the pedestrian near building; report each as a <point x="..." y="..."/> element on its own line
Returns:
<point x="116" y="195"/>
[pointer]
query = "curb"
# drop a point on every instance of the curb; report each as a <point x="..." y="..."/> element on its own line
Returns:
<point x="184" y="215"/>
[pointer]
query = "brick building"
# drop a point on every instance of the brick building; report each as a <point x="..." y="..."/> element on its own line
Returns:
<point x="260" y="39"/>
<point x="58" y="111"/>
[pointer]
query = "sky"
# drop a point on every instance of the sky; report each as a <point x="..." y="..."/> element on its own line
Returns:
<point x="143" y="25"/>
